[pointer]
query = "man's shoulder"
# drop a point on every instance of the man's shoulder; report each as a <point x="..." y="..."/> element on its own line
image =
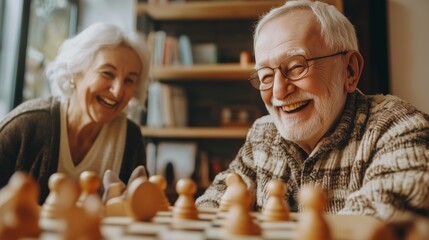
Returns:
<point x="389" y="109"/>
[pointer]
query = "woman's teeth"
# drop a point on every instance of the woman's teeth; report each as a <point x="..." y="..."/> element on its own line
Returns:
<point x="108" y="101"/>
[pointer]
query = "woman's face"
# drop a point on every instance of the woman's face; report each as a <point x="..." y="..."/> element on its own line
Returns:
<point x="103" y="91"/>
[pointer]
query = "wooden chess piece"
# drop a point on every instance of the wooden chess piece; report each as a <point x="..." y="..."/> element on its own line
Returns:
<point x="184" y="207"/>
<point x="238" y="220"/>
<point x="225" y="201"/>
<point x="50" y="208"/>
<point x="160" y="181"/>
<point x="312" y="224"/>
<point x="20" y="216"/>
<point x="81" y="222"/>
<point x="89" y="183"/>
<point x="276" y="209"/>
<point x="143" y="199"/>
<point x="116" y="203"/>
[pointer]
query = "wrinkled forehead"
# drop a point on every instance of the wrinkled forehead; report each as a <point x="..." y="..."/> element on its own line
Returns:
<point x="296" y="32"/>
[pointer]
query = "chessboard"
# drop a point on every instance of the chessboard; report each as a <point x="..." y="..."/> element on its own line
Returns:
<point x="210" y="226"/>
<point x="140" y="210"/>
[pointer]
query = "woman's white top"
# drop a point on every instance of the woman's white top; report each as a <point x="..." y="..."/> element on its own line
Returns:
<point x="106" y="152"/>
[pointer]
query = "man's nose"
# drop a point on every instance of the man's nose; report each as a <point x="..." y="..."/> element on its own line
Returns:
<point x="282" y="86"/>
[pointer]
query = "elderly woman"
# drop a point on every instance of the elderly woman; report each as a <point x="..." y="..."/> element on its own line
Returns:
<point x="83" y="126"/>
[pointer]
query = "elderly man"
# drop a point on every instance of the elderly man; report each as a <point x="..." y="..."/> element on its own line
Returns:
<point x="369" y="153"/>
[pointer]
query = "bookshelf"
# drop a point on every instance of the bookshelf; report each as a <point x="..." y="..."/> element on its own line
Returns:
<point x="196" y="132"/>
<point x="224" y="71"/>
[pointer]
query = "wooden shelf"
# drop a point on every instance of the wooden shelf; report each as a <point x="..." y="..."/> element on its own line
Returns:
<point x="221" y="10"/>
<point x="205" y="10"/>
<point x="196" y="132"/>
<point x="206" y="72"/>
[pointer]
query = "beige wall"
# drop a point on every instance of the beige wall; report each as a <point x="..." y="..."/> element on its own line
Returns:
<point x="409" y="50"/>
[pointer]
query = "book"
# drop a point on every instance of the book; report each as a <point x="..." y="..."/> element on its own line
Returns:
<point x="159" y="48"/>
<point x="185" y="51"/>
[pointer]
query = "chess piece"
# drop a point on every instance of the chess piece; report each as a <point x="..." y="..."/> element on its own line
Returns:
<point x="184" y="207"/>
<point x="238" y="220"/>
<point x="50" y="208"/>
<point x="225" y="201"/>
<point x="143" y="199"/>
<point x="115" y="194"/>
<point x="81" y="222"/>
<point x="20" y="211"/>
<point x="160" y="181"/>
<point x="116" y="203"/>
<point x="113" y="186"/>
<point x="276" y="209"/>
<point x="311" y="224"/>
<point x="89" y="183"/>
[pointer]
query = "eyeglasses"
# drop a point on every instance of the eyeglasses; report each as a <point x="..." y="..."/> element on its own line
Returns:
<point x="293" y="68"/>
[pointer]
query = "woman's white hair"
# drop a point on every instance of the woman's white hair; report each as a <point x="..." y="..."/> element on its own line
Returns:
<point x="77" y="54"/>
<point x="336" y="30"/>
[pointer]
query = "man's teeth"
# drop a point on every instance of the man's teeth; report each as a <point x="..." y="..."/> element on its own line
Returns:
<point x="108" y="101"/>
<point x="293" y="106"/>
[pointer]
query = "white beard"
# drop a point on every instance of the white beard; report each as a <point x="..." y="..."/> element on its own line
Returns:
<point x="294" y="129"/>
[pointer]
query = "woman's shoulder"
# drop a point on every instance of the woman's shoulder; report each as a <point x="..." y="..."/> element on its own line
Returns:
<point x="30" y="109"/>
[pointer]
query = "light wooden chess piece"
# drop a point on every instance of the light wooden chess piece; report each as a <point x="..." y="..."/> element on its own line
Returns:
<point x="143" y="199"/>
<point x="19" y="209"/>
<point x="184" y="207"/>
<point x="276" y="209"/>
<point x="116" y="203"/>
<point x="238" y="220"/>
<point x="160" y="181"/>
<point x="225" y="201"/>
<point x="51" y="206"/>
<point x="89" y="183"/>
<point x="312" y="224"/>
<point x="80" y="222"/>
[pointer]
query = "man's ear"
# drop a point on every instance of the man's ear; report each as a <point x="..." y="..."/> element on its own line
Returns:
<point x="353" y="71"/>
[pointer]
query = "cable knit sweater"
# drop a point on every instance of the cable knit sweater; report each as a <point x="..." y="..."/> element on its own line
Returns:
<point x="30" y="139"/>
<point x="375" y="162"/>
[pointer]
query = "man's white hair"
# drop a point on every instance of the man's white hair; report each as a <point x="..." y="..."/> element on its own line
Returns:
<point x="336" y="30"/>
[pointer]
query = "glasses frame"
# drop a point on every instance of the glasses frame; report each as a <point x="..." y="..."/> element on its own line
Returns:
<point x="256" y="83"/>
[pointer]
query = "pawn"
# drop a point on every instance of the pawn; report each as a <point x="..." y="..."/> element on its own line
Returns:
<point x="51" y="206"/>
<point x="225" y="201"/>
<point x="89" y="183"/>
<point x="20" y="211"/>
<point x="184" y="207"/>
<point x="313" y="201"/>
<point x="276" y="209"/>
<point x="238" y="219"/>
<point x="80" y="222"/>
<point x="160" y="181"/>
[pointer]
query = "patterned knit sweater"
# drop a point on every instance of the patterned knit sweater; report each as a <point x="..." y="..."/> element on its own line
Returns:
<point x="375" y="162"/>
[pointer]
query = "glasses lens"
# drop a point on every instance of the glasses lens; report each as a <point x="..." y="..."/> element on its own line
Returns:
<point x="294" y="68"/>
